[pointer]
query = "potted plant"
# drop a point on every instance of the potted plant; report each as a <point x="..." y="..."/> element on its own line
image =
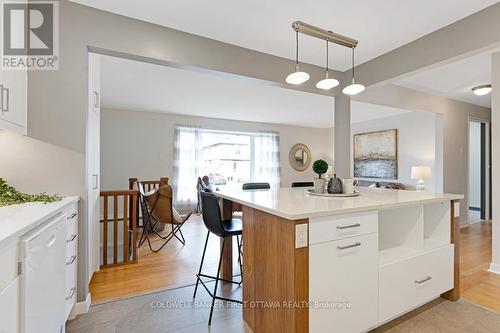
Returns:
<point x="320" y="167"/>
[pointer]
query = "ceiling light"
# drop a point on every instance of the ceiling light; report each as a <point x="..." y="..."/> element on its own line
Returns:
<point x="354" y="88"/>
<point x="327" y="83"/>
<point x="297" y="77"/>
<point x="485" y="89"/>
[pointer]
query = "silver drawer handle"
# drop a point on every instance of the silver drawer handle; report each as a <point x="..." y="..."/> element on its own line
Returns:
<point x="356" y="225"/>
<point x="71" y="217"/>
<point x="427" y="278"/>
<point x="71" y="294"/>
<point x="71" y="260"/>
<point x="349" y="246"/>
<point x="71" y="239"/>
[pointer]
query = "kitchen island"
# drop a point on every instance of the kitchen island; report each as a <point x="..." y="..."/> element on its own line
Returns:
<point x="316" y="264"/>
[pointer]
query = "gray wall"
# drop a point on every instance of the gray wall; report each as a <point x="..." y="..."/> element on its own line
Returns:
<point x="455" y="124"/>
<point x="124" y="153"/>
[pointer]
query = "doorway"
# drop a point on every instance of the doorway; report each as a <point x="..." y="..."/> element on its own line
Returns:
<point x="479" y="192"/>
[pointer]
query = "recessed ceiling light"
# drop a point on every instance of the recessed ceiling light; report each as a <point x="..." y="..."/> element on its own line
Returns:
<point x="485" y="89"/>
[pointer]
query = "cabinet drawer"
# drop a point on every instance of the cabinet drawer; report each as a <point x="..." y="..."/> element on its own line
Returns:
<point x="407" y="284"/>
<point x="8" y="263"/>
<point x="70" y="288"/>
<point x="332" y="228"/>
<point x="343" y="285"/>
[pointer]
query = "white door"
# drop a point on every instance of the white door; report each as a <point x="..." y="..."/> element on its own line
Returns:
<point x="93" y="162"/>
<point x="9" y="308"/>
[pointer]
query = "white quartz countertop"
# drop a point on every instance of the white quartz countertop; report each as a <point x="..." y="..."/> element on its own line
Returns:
<point x="296" y="203"/>
<point x="17" y="220"/>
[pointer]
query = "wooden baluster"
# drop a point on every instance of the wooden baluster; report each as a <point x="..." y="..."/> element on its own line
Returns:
<point x="134" y="226"/>
<point x="105" y="233"/>
<point x="126" y="257"/>
<point x="115" y="229"/>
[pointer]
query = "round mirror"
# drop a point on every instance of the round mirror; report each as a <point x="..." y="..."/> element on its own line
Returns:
<point x="300" y="157"/>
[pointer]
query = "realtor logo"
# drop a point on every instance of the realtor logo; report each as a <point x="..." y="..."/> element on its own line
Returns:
<point x="30" y="35"/>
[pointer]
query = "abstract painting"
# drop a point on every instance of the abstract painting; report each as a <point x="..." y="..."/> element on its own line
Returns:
<point x="376" y="154"/>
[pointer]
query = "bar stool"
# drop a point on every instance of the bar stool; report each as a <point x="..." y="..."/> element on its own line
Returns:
<point x="213" y="221"/>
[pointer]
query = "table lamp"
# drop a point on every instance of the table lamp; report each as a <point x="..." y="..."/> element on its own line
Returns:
<point x="421" y="172"/>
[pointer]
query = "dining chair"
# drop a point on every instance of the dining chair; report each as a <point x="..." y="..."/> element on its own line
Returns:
<point x="302" y="184"/>
<point x="256" y="186"/>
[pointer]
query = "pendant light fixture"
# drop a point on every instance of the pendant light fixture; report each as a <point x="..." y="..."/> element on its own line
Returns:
<point x="354" y="88"/>
<point x="297" y="77"/>
<point x="327" y="83"/>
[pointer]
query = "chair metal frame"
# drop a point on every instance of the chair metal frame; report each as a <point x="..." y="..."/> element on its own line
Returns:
<point x="149" y="226"/>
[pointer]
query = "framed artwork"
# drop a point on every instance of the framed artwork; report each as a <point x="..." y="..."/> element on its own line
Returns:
<point x="376" y="154"/>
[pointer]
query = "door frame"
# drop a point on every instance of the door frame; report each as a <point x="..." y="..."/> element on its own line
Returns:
<point x="486" y="167"/>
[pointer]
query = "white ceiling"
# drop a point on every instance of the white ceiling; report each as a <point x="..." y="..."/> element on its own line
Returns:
<point x="263" y="25"/>
<point x="455" y="80"/>
<point x="133" y="85"/>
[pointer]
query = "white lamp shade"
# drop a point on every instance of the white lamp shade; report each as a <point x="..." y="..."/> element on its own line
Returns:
<point x="327" y="84"/>
<point x="297" y="78"/>
<point x="421" y="172"/>
<point x="353" y="89"/>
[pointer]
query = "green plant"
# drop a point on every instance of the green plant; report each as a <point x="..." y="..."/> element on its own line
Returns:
<point x="320" y="167"/>
<point x="10" y="196"/>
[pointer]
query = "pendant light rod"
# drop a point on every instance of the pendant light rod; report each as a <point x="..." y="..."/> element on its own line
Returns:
<point x="311" y="30"/>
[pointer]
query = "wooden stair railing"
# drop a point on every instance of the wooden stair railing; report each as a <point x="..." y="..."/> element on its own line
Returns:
<point x="149" y="185"/>
<point x="119" y="208"/>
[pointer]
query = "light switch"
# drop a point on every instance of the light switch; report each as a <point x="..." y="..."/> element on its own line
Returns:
<point x="301" y="237"/>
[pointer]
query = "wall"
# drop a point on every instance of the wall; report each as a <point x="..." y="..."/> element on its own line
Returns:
<point x="495" y="162"/>
<point x="417" y="133"/>
<point x="475" y="165"/>
<point x="125" y="153"/>
<point x="455" y="118"/>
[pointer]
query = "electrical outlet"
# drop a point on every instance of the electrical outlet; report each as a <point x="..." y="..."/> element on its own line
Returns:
<point x="301" y="237"/>
<point x="457" y="208"/>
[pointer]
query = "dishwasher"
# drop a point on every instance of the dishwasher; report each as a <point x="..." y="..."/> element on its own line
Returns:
<point x="42" y="257"/>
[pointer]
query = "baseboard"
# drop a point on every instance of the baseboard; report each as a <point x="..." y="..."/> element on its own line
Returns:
<point x="494" y="268"/>
<point x="81" y="307"/>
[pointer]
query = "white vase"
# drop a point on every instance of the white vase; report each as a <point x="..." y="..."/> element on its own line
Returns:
<point x="319" y="185"/>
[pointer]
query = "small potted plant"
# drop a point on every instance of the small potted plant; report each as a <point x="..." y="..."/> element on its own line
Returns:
<point x="320" y="167"/>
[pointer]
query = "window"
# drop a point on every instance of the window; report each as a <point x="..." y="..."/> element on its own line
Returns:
<point x="228" y="158"/>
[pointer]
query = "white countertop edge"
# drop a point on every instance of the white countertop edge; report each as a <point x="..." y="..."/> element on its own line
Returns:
<point x="11" y="234"/>
<point x="446" y="197"/>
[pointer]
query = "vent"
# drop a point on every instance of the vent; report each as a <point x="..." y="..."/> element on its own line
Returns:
<point x="19" y="268"/>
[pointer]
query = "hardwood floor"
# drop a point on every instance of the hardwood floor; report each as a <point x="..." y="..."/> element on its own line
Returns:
<point x="478" y="285"/>
<point x="174" y="266"/>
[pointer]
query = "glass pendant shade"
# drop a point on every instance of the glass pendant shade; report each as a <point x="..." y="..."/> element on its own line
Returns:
<point x="297" y="77"/>
<point x="327" y="83"/>
<point x="353" y="89"/>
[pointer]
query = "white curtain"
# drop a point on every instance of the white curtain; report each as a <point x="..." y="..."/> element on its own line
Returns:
<point x="266" y="166"/>
<point x="187" y="166"/>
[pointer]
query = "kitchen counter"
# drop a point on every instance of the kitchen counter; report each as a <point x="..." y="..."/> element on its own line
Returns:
<point x="16" y="220"/>
<point x="296" y="203"/>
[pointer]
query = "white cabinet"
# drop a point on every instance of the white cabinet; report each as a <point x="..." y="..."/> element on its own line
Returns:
<point x="9" y="308"/>
<point x="13" y="100"/>
<point x="411" y="282"/>
<point x="9" y="288"/>
<point x="71" y="214"/>
<point x="343" y="280"/>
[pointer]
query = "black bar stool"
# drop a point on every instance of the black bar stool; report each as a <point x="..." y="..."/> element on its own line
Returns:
<point x="213" y="221"/>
